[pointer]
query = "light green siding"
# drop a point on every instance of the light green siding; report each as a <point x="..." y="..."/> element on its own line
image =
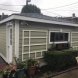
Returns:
<point x="3" y="39"/>
<point x="13" y="41"/>
<point x="38" y="34"/>
<point x="37" y="48"/>
<point x="74" y="37"/>
<point x="38" y="41"/>
<point x="38" y="26"/>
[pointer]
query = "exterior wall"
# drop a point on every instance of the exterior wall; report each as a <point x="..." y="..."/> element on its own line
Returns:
<point x="39" y="26"/>
<point x="13" y="42"/>
<point x="3" y="39"/>
<point x="74" y="40"/>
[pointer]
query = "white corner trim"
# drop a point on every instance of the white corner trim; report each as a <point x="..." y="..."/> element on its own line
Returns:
<point x="3" y="57"/>
<point x="17" y="38"/>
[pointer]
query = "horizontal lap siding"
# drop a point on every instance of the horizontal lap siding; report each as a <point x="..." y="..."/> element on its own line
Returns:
<point x="32" y="41"/>
<point x="38" y="34"/>
<point x="37" y="48"/>
<point x="13" y="44"/>
<point x="37" y="40"/>
<point x="3" y="40"/>
<point x="74" y="39"/>
<point x="75" y="44"/>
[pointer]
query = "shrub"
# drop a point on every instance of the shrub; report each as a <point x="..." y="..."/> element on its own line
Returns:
<point x="61" y="59"/>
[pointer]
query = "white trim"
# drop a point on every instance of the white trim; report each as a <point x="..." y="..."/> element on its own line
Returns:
<point x="36" y="37"/>
<point x="19" y="17"/>
<point x="57" y="42"/>
<point x="35" y="44"/>
<point x="30" y="31"/>
<point x="8" y="24"/>
<point x="17" y="38"/>
<point x="34" y="51"/>
<point x="35" y="30"/>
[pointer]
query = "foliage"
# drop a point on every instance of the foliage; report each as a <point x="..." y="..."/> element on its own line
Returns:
<point x="60" y="46"/>
<point x="19" y="63"/>
<point x="48" y="73"/>
<point x="30" y="9"/>
<point x="1" y="71"/>
<point x="11" y="71"/>
<point x="31" y="62"/>
<point x="7" y="71"/>
<point x="60" y="59"/>
<point x="22" y="76"/>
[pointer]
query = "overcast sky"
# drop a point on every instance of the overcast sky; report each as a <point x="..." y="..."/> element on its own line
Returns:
<point x="43" y="4"/>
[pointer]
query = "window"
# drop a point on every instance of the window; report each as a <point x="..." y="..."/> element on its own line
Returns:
<point x="58" y="36"/>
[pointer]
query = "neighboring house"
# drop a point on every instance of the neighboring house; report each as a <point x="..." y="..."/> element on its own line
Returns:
<point x="3" y="16"/>
<point x="29" y="35"/>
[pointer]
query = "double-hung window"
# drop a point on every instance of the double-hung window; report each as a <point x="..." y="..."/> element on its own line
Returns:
<point x="58" y="37"/>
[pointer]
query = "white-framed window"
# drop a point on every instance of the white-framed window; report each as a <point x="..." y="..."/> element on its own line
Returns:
<point x="58" y="37"/>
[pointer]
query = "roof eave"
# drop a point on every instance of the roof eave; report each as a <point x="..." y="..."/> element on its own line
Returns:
<point x="18" y="17"/>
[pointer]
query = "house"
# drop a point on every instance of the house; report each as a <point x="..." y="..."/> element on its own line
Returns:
<point x="3" y="16"/>
<point x="29" y="35"/>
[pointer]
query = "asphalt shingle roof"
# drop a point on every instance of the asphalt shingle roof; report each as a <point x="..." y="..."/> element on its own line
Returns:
<point x="41" y="16"/>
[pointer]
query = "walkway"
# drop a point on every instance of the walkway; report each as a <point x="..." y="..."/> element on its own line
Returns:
<point x="70" y="74"/>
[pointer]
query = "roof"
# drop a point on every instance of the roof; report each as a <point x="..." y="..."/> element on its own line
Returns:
<point x="3" y="17"/>
<point x="39" y="18"/>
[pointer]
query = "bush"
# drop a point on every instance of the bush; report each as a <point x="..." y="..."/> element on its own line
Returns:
<point x="61" y="59"/>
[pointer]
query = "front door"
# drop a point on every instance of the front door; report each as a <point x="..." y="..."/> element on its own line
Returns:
<point x="10" y="45"/>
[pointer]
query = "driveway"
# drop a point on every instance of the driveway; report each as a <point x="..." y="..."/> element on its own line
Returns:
<point x="70" y="74"/>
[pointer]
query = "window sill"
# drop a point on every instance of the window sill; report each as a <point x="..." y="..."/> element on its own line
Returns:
<point x="59" y="42"/>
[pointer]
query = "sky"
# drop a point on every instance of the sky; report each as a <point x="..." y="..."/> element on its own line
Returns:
<point x="48" y="7"/>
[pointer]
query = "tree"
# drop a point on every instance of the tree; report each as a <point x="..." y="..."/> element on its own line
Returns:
<point x="30" y="9"/>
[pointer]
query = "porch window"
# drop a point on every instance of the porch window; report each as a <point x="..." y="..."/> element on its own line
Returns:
<point x="58" y="37"/>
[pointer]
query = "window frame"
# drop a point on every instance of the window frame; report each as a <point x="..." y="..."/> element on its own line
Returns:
<point x="59" y="41"/>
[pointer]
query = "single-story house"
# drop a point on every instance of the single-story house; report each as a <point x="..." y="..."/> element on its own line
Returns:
<point x="29" y="35"/>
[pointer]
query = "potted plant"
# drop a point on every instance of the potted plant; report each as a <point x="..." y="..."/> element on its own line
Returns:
<point x="30" y="66"/>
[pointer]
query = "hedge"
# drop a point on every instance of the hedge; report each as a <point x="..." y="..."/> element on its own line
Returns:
<point x="61" y="59"/>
